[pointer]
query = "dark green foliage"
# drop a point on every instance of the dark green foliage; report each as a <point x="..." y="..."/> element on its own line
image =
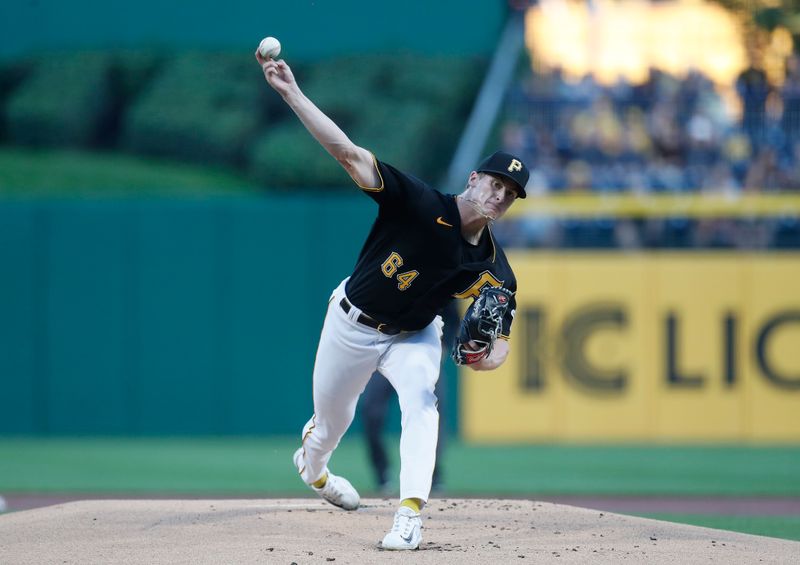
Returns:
<point x="343" y="87"/>
<point x="130" y="73"/>
<point x="287" y="155"/>
<point x="215" y="108"/>
<point x="74" y="101"/>
<point x="407" y="110"/>
<point x="133" y="70"/>
<point x="450" y="83"/>
<point x="400" y="133"/>
<point x="201" y="107"/>
<point x="11" y="74"/>
<point x="64" y="101"/>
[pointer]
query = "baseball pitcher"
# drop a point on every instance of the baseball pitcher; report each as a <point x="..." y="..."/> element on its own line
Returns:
<point x="424" y="249"/>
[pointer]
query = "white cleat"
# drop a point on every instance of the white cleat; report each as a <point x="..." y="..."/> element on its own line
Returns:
<point x="406" y="532"/>
<point x="337" y="490"/>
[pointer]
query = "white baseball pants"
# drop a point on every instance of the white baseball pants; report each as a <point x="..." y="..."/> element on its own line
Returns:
<point x="348" y="354"/>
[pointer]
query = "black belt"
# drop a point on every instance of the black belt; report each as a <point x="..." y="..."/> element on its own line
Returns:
<point x="369" y="321"/>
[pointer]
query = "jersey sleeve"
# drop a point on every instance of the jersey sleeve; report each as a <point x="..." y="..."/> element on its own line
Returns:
<point x="396" y="187"/>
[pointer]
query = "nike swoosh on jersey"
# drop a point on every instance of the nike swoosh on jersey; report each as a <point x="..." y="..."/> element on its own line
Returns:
<point x="441" y="222"/>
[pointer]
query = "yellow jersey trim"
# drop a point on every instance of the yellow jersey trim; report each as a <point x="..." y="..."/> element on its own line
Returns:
<point x="378" y="170"/>
<point x="474" y="289"/>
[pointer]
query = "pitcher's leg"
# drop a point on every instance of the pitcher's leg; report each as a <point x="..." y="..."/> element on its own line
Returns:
<point x="412" y="366"/>
<point x="346" y="357"/>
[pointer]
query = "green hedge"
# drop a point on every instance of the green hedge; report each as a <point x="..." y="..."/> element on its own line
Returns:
<point x="202" y="107"/>
<point x="288" y="156"/>
<point x="11" y="74"/>
<point x="214" y="108"/>
<point x="64" y="101"/>
<point x="344" y="87"/>
<point x="408" y="111"/>
<point x="399" y="133"/>
<point x="450" y="83"/>
<point x="132" y="72"/>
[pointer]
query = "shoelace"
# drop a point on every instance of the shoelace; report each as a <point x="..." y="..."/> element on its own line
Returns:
<point x="403" y="525"/>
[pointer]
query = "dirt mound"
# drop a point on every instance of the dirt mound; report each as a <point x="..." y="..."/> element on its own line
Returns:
<point x="302" y="531"/>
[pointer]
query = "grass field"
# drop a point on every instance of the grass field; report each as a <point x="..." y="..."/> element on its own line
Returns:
<point x="262" y="467"/>
<point x="53" y="173"/>
<point x="787" y="527"/>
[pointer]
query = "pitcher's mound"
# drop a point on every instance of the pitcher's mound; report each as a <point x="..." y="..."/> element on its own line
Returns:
<point x="301" y="531"/>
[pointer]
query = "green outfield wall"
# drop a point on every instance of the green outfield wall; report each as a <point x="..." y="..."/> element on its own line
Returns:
<point x="308" y="29"/>
<point x="199" y="316"/>
<point x="168" y="316"/>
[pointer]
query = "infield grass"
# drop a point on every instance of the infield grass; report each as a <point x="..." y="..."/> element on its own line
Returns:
<point x="261" y="467"/>
<point x="786" y="527"/>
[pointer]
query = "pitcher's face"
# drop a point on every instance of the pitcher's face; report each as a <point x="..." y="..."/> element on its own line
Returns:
<point x="494" y="194"/>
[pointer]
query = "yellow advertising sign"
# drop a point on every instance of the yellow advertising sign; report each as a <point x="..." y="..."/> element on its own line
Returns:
<point x="634" y="347"/>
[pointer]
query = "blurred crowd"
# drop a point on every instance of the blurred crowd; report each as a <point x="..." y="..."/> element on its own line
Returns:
<point x="666" y="135"/>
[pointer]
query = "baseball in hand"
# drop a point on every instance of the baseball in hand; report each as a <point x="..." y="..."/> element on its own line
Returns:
<point x="269" y="48"/>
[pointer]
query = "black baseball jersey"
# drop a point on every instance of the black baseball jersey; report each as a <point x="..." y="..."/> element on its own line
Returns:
<point x="415" y="260"/>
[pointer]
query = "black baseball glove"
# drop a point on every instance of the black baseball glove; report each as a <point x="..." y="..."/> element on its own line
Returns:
<point x="481" y="325"/>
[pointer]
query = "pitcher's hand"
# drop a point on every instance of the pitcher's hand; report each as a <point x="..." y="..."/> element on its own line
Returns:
<point x="278" y="75"/>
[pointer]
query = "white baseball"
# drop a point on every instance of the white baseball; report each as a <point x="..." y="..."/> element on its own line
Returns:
<point x="269" y="48"/>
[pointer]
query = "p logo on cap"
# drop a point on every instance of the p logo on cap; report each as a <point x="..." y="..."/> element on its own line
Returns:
<point x="509" y="166"/>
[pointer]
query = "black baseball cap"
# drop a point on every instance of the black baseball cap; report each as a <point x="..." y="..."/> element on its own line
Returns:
<point x="506" y="165"/>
